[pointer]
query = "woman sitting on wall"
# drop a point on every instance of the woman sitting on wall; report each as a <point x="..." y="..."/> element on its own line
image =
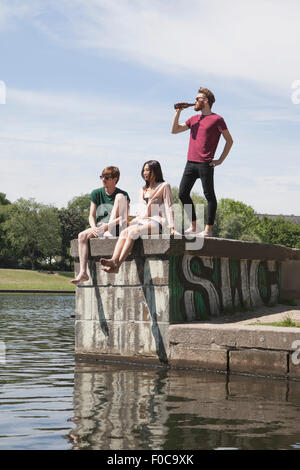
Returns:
<point x="155" y="213"/>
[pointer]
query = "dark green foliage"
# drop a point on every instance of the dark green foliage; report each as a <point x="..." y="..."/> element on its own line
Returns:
<point x="72" y="222"/>
<point x="238" y="221"/>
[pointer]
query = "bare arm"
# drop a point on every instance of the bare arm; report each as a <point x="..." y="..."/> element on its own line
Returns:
<point x="229" y="141"/>
<point x="176" y="127"/>
<point x="92" y="216"/>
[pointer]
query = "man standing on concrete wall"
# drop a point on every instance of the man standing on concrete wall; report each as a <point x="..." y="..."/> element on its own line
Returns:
<point x="206" y="129"/>
<point x="109" y="211"/>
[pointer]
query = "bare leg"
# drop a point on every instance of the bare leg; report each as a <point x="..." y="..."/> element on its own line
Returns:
<point x="208" y="229"/>
<point x="123" y="248"/>
<point x="112" y="266"/>
<point x="113" y="262"/>
<point x="118" y="214"/>
<point x="83" y="249"/>
<point x="118" y="249"/>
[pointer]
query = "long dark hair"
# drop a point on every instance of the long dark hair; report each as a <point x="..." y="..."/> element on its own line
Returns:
<point x="155" y="169"/>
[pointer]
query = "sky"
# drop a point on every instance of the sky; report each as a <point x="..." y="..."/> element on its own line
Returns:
<point x="85" y="84"/>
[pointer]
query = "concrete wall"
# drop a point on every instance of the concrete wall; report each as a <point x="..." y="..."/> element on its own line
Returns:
<point x="249" y="349"/>
<point x="128" y="315"/>
<point x="201" y="287"/>
<point x="291" y="279"/>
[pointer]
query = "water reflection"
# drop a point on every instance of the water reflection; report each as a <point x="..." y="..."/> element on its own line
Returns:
<point x="128" y="408"/>
<point x="43" y="405"/>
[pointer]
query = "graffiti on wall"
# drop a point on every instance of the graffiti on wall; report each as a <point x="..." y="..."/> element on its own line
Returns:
<point x="202" y="287"/>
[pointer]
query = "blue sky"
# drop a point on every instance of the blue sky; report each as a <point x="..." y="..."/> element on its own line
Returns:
<point x="90" y="83"/>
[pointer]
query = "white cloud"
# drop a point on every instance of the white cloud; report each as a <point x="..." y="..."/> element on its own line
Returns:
<point x="267" y="115"/>
<point x="253" y="40"/>
<point x="273" y="190"/>
<point x="55" y="143"/>
<point x="12" y="11"/>
<point x="82" y="105"/>
<point x="63" y="140"/>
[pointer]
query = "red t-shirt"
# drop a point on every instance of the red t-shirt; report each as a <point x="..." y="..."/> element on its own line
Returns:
<point x="204" y="137"/>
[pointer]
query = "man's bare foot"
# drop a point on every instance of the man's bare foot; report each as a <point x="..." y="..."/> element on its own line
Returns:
<point x="80" y="278"/>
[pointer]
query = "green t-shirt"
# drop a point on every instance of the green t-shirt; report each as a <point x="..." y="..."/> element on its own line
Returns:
<point x="105" y="202"/>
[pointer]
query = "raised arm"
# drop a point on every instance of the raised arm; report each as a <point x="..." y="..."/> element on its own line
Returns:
<point x="176" y="127"/>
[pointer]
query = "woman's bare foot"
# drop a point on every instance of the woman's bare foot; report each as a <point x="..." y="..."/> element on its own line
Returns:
<point x="80" y="278"/>
<point x="110" y="269"/>
<point x="109" y="265"/>
<point x="108" y="262"/>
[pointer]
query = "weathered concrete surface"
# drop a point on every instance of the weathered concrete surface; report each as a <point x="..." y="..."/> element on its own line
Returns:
<point x="259" y="362"/>
<point x="234" y="336"/>
<point x="291" y="279"/>
<point x="217" y="247"/>
<point x="197" y="356"/>
<point x="294" y="368"/>
<point x="241" y="345"/>
<point x="156" y="308"/>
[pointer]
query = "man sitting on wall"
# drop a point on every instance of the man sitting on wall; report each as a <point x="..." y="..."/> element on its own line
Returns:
<point x="109" y="210"/>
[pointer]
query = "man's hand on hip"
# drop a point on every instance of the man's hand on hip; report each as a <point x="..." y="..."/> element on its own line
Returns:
<point x="215" y="162"/>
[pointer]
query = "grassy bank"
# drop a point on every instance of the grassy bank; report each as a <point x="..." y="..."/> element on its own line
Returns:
<point x="21" y="279"/>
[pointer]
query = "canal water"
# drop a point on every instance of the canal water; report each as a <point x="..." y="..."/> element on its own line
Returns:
<point x="47" y="401"/>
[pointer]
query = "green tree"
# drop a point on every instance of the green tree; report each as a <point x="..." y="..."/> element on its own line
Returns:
<point x="82" y="204"/>
<point x="3" y="200"/>
<point x="175" y="194"/>
<point x="33" y="230"/>
<point x="72" y="222"/>
<point x="49" y="240"/>
<point x="7" y="256"/>
<point x="279" y="231"/>
<point x="236" y="220"/>
<point x="239" y="221"/>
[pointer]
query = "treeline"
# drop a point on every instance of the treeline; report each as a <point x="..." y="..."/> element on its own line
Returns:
<point x="38" y="236"/>
<point x="238" y="221"/>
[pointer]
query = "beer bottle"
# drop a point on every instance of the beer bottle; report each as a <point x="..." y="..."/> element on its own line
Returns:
<point x="183" y="105"/>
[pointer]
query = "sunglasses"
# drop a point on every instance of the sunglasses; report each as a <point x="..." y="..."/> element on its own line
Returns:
<point x="105" y="177"/>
